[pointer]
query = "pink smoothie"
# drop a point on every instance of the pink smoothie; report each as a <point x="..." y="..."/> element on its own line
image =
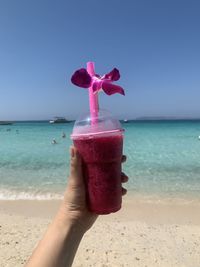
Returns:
<point x="102" y="171"/>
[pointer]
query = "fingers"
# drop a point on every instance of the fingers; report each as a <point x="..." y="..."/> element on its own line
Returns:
<point x="124" y="179"/>
<point x="124" y="158"/>
<point x="76" y="176"/>
<point x="124" y="191"/>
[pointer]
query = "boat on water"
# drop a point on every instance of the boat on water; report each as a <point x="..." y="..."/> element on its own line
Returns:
<point x="5" y="123"/>
<point x="127" y="120"/>
<point x="59" y="120"/>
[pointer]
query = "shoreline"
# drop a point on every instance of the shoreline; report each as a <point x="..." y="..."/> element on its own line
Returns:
<point x="148" y="210"/>
<point x="177" y="196"/>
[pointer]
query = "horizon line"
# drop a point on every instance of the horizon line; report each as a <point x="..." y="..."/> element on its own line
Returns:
<point x="142" y="118"/>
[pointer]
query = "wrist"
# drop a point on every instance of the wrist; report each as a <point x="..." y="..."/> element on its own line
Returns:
<point x="64" y="222"/>
<point x="67" y="230"/>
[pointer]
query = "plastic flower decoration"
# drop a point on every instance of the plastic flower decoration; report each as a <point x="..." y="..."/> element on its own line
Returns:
<point x="83" y="79"/>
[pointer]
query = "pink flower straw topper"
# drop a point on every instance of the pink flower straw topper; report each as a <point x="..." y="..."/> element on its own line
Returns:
<point x="87" y="78"/>
<point x="83" y="79"/>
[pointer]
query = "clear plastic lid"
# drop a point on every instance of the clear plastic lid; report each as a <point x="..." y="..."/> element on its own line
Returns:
<point x="104" y="124"/>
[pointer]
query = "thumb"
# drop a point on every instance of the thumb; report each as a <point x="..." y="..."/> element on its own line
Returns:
<point x="76" y="176"/>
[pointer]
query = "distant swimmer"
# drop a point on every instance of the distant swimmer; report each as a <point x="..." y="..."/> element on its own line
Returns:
<point x="54" y="141"/>
<point x="63" y="135"/>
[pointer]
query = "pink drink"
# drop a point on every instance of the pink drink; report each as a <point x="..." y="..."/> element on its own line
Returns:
<point x="102" y="170"/>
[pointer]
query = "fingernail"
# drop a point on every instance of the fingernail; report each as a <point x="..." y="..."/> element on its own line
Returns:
<point x="72" y="152"/>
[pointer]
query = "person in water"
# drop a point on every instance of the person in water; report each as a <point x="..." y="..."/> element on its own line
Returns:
<point x="63" y="135"/>
<point x="73" y="219"/>
<point x="54" y="141"/>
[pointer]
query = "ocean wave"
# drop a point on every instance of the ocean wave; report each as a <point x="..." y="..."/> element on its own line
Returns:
<point x="32" y="165"/>
<point x="6" y="194"/>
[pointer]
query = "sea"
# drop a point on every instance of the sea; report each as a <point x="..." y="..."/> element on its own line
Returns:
<point x="163" y="159"/>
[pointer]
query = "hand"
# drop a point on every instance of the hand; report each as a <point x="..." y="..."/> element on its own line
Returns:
<point x="74" y="207"/>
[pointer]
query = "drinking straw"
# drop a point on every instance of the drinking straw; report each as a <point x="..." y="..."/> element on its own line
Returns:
<point x="93" y="97"/>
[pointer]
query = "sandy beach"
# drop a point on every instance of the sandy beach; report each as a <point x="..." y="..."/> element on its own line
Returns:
<point x="143" y="233"/>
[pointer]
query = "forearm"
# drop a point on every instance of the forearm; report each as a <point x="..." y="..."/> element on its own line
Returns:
<point x="58" y="247"/>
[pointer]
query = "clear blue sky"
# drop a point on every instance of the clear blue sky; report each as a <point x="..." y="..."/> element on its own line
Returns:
<point x="154" y="43"/>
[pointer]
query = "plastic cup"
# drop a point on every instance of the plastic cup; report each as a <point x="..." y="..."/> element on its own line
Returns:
<point x="100" y="146"/>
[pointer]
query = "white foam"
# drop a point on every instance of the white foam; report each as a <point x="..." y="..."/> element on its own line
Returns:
<point x="22" y="195"/>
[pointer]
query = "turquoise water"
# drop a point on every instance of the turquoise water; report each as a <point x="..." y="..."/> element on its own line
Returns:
<point x="163" y="159"/>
